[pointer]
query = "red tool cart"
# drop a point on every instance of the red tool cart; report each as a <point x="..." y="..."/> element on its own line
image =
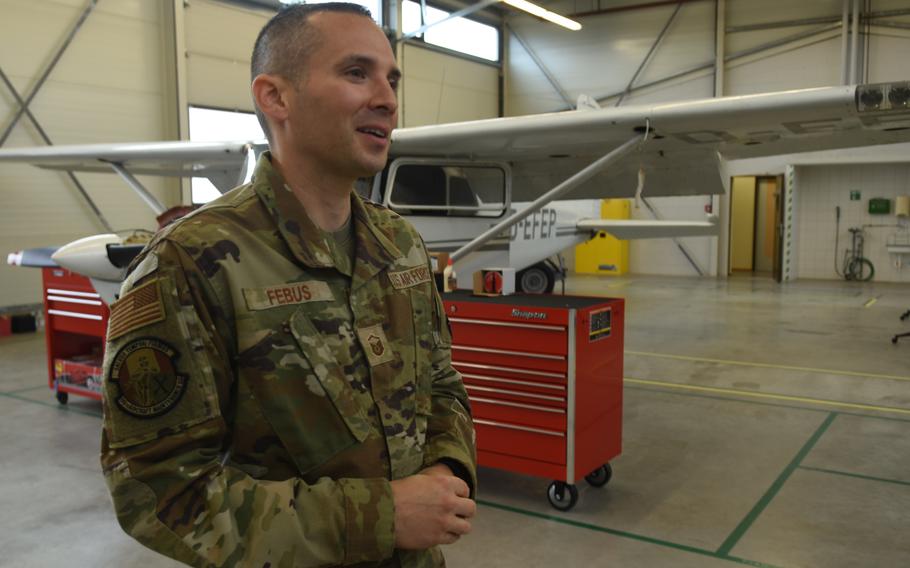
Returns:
<point x="75" y="324"/>
<point x="544" y="376"/>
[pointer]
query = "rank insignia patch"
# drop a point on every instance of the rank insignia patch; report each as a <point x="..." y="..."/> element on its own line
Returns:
<point x="145" y="375"/>
<point x="375" y="345"/>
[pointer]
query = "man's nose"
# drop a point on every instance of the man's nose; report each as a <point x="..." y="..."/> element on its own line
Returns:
<point x="385" y="98"/>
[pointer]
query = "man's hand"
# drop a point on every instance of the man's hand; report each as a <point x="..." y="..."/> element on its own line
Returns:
<point x="431" y="508"/>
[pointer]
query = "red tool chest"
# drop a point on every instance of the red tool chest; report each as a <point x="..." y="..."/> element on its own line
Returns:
<point x="75" y="324"/>
<point x="544" y="376"/>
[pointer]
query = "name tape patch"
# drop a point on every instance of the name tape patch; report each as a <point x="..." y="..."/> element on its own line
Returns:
<point x="138" y="308"/>
<point x="287" y="294"/>
<point x="410" y="277"/>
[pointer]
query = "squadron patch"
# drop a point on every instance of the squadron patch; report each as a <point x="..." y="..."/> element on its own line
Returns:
<point x="145" y="375"/>
<point x="137" y="308"/>
<point x="375" y="345"/>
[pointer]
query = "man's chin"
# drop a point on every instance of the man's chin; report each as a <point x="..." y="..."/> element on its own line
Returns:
<point x="371" y="166"/>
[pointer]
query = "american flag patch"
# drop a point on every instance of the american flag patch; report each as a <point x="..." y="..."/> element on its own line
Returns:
<point x="138" y="308"/>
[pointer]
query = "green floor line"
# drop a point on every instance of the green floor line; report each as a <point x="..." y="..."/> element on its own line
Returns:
<point x="64" y="407"/>
<point x="856" y="475"/>
<point x="623" y="534"/>
<point x="772" y="491"/>
<point x="27" y="389"/>
<point x="760" y="403"/>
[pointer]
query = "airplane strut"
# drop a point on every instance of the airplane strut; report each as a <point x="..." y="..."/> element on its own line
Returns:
<point x="563" y="188"/>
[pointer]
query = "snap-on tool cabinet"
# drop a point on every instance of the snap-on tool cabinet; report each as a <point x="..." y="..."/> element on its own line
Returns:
<point x="75" y="322"/>
<point x="544" y="377"/>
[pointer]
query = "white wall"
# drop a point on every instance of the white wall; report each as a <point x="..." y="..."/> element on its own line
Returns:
<point x="107" y="87"/>
<point x="601" y="59"/>
<point x="820" y="189"/>
<point x="662" y="256"/>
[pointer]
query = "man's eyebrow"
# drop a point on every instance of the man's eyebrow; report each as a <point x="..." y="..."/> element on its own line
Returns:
<point x="367" y="61"/>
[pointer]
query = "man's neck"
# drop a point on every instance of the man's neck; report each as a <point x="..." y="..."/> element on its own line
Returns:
<point x="327" y="199"/>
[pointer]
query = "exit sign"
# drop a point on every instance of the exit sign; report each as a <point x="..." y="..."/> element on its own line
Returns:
<point x="855" y="195"/>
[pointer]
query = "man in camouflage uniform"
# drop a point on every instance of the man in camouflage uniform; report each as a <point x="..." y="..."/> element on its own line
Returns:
<point x="278" y="380"/>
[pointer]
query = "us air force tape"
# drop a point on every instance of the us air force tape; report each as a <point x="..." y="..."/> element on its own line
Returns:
<point x="144" y="373"/>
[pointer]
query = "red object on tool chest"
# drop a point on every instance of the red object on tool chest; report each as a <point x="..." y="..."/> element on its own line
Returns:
<point x="544" y="376"/>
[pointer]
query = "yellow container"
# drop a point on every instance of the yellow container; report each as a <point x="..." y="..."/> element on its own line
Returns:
<point x="605" y="254"/>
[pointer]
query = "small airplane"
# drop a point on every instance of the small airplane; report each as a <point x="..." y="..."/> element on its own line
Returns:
<point x="491" y="191"/>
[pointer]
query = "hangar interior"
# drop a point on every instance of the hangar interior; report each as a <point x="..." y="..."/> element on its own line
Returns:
<point x="766" y="412"/>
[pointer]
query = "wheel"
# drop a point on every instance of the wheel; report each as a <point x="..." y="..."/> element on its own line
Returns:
<point x="562" y="495"/>
<point x="600" y="476"/>
<point x="861" y="269"/>
<point x="63" y="397"/>
<point x="537" y="279"/>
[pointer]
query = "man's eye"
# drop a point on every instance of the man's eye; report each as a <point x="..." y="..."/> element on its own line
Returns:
<point x="394" y="84"/>
<point x="357" y="72"/>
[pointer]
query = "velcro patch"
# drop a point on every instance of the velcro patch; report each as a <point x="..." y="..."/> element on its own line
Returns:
<point x="287" y="294"/>
<point x="375" y="345"/>
<point x="410" y="277"/>
<point x="138" y="308"/>
<point x="145" y="375"/>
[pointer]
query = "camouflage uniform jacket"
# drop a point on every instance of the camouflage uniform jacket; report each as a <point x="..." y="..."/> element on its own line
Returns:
<point x="258" y="402"/>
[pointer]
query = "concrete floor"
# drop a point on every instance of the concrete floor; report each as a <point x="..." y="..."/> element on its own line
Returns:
<point x="765" y="425"/>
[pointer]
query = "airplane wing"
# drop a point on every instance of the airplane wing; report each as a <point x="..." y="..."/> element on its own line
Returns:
<point x="223" y="162"/>
<point x="688" y="140"/>
<point x="643" y="229"/>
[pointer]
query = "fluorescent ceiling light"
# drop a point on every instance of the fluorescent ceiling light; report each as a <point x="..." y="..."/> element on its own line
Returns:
<point x="545" y="14"/>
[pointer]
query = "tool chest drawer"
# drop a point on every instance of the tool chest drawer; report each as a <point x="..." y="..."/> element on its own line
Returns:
<point x="501" y="357"/>
<point x="511" y="336"/>
<point x="517" y="412"/>
<point x="535" y="443"/>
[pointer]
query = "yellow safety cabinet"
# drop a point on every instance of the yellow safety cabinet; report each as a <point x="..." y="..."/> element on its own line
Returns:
<point x="605" y="254"/>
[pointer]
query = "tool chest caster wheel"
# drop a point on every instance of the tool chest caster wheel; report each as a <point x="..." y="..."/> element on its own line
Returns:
<point x="562" y="495"/>
<point x="600" y="476"/>
<point x="63" y="397"/>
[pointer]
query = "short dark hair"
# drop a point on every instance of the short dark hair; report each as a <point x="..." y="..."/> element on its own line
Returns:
<point x="286" y="40"/>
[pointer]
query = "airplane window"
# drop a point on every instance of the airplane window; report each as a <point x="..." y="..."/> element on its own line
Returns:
<point x="460" y="191"/>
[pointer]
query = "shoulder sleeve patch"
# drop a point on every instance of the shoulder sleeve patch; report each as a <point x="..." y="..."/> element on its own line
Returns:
<point x="144" y="373"/>
<point x="140" y="307"/>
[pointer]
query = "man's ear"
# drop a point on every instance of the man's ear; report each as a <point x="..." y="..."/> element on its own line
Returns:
<point x="269" y="92"/>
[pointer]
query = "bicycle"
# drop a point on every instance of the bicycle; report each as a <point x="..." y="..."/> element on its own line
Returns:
<point x="856" y="267"/>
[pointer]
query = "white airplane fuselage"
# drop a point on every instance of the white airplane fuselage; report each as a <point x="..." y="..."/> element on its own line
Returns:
<point x="536" y="238"/>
